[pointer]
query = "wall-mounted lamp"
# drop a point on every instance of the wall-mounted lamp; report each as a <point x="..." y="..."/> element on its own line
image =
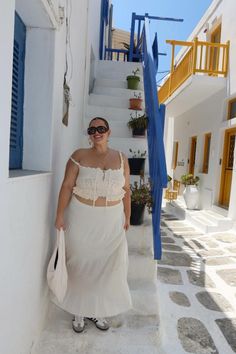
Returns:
<point x="206" y="28"/>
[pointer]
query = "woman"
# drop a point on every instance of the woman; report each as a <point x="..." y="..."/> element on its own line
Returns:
<point x="96" y="190"/>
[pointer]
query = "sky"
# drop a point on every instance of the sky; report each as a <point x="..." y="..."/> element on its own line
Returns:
<point x="189" y="10"/>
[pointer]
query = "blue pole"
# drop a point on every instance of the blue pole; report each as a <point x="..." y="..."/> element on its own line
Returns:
<point x="138" y="37"/>
<point x="131" y="47"/>
<point x="101" y="36"/>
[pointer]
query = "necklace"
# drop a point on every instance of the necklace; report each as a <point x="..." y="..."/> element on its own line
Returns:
<point x="103" y="161"/>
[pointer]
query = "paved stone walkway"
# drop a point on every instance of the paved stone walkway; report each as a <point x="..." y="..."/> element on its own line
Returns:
<point x="197" y="290"/>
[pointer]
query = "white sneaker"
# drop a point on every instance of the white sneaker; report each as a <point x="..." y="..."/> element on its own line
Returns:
<point x="78" y="324"/>
<point x="100" y="322"/>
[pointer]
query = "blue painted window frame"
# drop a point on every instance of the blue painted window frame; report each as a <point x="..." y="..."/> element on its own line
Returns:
<point x="17" y="103"/>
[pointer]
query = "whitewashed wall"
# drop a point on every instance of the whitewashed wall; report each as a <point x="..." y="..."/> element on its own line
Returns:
<point x="27" y="204"/>
<point x="211" y="115"/>
<point x="203" y="118"/>
<point x="229" y="33"/>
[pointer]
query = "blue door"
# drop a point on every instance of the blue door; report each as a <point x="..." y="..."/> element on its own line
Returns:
<point x="16" y="133"/>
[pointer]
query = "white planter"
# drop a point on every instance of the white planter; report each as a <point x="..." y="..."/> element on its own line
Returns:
<point x="191" y="197"/>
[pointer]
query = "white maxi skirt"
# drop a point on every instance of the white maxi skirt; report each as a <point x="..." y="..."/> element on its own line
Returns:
<point x="97" y="261"/>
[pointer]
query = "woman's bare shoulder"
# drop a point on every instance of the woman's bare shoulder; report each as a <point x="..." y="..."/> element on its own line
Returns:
<point x="79" y="153"/>
<point x="123" y="155"/>
<point x="118" y="152"/>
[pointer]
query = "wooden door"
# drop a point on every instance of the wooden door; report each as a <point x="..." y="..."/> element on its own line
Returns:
<point x="192" y="157"/>
<point x="215" y="51"/>
<point x="227" y="167"/>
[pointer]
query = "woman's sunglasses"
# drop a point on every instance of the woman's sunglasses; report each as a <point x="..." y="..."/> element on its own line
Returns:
<point x="101" y="129"/>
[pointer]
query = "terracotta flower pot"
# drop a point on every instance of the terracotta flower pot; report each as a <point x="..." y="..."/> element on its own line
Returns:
<point x="135" y="103"/>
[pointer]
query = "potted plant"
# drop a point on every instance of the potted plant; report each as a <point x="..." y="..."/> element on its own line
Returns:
<point x="169" y="179"/>
<point x="138" y="124"/>
<point x="136" y="102"/>
<point x="135" y="51"/>
<point x="140" y="198"/>
<point x="190" y="193"/>
<point x="133" y="80"/>
<point x="137" y="162"/>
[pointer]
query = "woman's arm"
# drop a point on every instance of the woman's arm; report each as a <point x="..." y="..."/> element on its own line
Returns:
<point x="126" y="199"/>
<point x="71" y="173"/>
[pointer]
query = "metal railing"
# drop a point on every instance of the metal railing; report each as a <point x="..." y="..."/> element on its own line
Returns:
<point x="116" y="54"/>
<point x="201" y="57"/>
<point x="148" y="53"/>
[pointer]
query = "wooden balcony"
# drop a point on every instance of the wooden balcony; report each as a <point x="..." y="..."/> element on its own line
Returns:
<point x="203" y="58"/>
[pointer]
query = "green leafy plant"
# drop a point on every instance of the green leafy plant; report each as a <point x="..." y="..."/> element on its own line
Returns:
<point x="189" y="179"/>
<point x="127" y="46"/>
<point x="138" y="95"/>
<point x="138" y="153"/>
<point x="141" y="193"/>
<point x="136" y="50"/>
<point x="139" y="121"/>
<point x="134" y="72"/>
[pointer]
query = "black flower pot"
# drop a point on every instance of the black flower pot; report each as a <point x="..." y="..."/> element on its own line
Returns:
<point x="137" y="214"/>
<point x="138" y="132"/>
<point x="136" y="165"/>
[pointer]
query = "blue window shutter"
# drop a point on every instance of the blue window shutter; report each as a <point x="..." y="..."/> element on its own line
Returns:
<point x="16" y="133"/>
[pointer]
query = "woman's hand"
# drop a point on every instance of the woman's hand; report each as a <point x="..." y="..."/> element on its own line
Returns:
<point x="127" y="224"/>
<point x="59" y="223"/>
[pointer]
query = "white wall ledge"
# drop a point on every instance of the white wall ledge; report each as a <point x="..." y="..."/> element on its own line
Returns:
<point x="26" y="174"/>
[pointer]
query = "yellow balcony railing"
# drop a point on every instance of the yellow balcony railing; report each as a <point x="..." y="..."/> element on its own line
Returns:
<point x="200" y="57"/>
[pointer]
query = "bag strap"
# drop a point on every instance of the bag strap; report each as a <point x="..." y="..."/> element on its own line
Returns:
<point x="60" y="237"/>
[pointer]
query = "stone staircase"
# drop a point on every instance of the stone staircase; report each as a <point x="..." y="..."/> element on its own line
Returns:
<point x="206" y="220"/>
<point x="110" y="99"/>
<point x="133" y="332"/>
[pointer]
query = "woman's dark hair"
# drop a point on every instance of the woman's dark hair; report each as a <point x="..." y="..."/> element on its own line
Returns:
<point x="103" y="119"/>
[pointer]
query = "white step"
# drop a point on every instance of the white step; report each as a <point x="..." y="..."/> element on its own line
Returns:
<point x="141" y="267"/>
<point x="144" y="297"/>
<point x="111" y="113"/>
<point x="129" y="333"/>
<point x="218" y="218"/>
<point x="117" y="92"/>
<point x="140" y="238"/>
<point x="114" y="83"/>
<point x="117" y="70"/>
<point x="209" y="220"/>
<point x="219" y="210"/>
<point x="203" y="222"/>
<point x="111" y="101"/>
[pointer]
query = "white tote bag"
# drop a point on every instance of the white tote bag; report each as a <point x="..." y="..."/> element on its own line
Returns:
<point x="56" y="272"/>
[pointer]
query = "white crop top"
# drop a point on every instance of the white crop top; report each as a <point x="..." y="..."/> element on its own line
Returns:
<point x="94" y="182"/>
